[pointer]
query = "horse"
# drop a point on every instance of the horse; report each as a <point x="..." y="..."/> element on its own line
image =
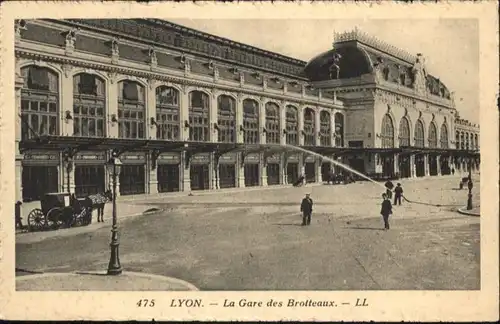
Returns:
<point x="97" y="201"/>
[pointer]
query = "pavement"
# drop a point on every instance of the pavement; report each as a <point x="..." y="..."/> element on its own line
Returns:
<point x="99" y="281"/>
<point x="252" y="239"/>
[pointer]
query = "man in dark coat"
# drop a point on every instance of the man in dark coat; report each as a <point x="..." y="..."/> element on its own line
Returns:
<point x="306" y="207"/>
<point x="386" y="211"/>
<point x="398" y="193"/>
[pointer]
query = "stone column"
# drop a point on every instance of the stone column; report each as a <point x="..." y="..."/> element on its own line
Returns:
<point x="112" y="130"/>
<point x="185" y="173"/>
<point x="18" y="133"/>
<point x="396" y="163"/>
<point x="184" y="115"/>
<point x="263" y="170"/>
<point x="438" y="163"/>
<point x="413" y="170"/>
<point x="153" y="174"/>
<point x="332" y="128"/>
<point x="426" y="165"/>
<point x="319" y="176"/>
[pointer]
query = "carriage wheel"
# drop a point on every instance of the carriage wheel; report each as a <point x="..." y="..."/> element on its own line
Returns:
<point x="55" y="218"/>
<point x="36" y="220"/>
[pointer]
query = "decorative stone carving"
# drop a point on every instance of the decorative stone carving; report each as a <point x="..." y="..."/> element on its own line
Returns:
<point x="335" y="67"/>
<point x="187" y="66"/>
<point x="18" y="27"/>
<point x="264" y="83"/>
<point x="67" y="68"/>
<point x="152" y="83"/>
<point x="242" y="79"/>
<point x="419" y="75"/>
<point x="216" y="73"/>
<point x="70" y="37"/>
<point x="112" y="76"/>
<point x="152" y="56"/>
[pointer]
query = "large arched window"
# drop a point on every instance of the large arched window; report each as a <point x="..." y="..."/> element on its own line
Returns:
<point x="167" y="113"/>
<point x="89" y="102"/>
<point x="292" y="125"/>
<point x="251" y="121"/>
<point x="462" y="140"/>
<point x="325" y="128"/>
<point x="404" y="132"/>
<point x="339" y="130"/>
<point x="309" y="136"/>
<point x="432" y="135"/>
<point x="131" y="110"/>
<point x="272" y="123"/>
<point x="444" y="136"/>
<point x="39" y="102"/>
<point x="226" y="119"/>
<point x="199" y="122"/>
<point x="419" y="134"/>
<point x="387" y="133"/>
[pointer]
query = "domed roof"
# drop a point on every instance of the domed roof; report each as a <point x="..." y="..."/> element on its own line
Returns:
<point x="353" y="62"/>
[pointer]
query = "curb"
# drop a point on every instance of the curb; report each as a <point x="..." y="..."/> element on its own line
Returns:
<point x="464" y="211"/>
<point x="103" y="273"/>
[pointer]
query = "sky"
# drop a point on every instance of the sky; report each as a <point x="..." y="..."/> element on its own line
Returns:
<point x="450" y="46"/>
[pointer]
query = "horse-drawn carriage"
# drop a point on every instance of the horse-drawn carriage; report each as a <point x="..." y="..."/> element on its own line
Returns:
<point x="57" y="210"/>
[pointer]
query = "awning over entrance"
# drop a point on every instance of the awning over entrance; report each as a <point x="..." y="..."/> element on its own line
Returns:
<point x="70" y="145"/>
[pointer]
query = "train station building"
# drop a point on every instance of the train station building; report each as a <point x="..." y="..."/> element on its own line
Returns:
<point x="185" y="110"/>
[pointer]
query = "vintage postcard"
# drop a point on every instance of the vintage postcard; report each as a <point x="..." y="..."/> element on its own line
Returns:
<point x="249" y="161"/>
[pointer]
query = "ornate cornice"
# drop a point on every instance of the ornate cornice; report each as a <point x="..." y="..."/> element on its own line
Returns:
<point x="115" y="69"/>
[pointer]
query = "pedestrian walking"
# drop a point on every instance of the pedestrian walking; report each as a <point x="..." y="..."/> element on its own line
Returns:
<point x="306" y="207"/>
<point x="386" y="211"/>
<point x="398" y="193"/>
<point x="389" y="185"/>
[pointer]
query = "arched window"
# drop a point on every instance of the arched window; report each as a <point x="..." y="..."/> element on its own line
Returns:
<point x="89" y="102"/>
<point x="199" y="122"/>
<point x="226" y="120"/>
<point x="457" y="140"/>
<point x="325" y="128"/>
<point x="131" y="109"/>
<point x="39" y="102"/>
<point x="251" y="121"/>
<point x="404" y="132"/>
<point x="387" y="133"/>
<point x="339" y="130"/>
<point x="167" y="113"/>
<point x="476" y="142"/>
<point x="309" y="136"/>
<point x="292" y="125"/>
<point x="432" y="135"/>
<point x="467" y="142"/>
<point x="444" y="136"/>
<point x="272" y="123"/>
<point x="419" y="134"/>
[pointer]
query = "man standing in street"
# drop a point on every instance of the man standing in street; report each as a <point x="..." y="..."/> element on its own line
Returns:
<point x="306" y="208"/>
<point x="386" y="211"/>
<point x="398" y="193"/>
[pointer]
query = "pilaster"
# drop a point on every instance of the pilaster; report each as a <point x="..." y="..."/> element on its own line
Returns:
<point x="319" y="176"/>
<point x="301" y="125"/>
<point x="396" y="164"/>
<point x="18" y="133"/>
<point x="263" y="171"/>
<point x="183" y="114"/>
<point x="150" y="109"/>
<point x="153" y="175"/>
<point x="282" y="123"/>
<point x="413" y="171"/>
<point x="438" y="162"/>
<point x="112" y="85"/>
<point x="66" y="107"/>
<point x="426" y="165"/>
<point x="185" y="173"/>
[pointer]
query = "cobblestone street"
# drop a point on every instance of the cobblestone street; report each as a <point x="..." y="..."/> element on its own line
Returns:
<point x="253" y="240"/>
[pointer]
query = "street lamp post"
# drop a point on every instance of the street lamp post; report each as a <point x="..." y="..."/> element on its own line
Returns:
<point x="114" y="267"/>
<point x="69" y="168"/>
<point x="470" y="186"/>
